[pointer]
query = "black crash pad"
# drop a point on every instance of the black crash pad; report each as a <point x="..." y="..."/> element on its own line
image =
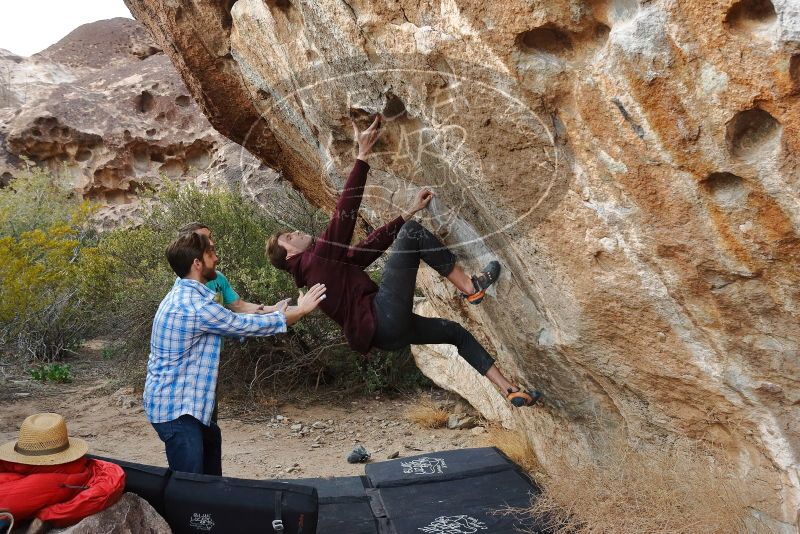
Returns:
<point x="471" y="504"/>
<point x="344" y="505"/>
<point x="199" y="503"/>
<point x="147" y="481"/>
<point x="453" y="492"/>
<point x="437" y="466"/>
<point x="446" y="492"/>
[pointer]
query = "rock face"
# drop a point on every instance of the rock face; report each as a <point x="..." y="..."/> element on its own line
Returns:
<point x="105" y="111"/>
<point x="632" y="164"/>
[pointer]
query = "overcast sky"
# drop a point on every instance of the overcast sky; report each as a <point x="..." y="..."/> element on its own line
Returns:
<point x="30" y="26"/>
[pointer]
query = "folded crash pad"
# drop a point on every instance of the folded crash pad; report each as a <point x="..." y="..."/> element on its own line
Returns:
<point x="202" y="503"/>
<point x="344" y="505"/>
<point x="147" y="481"/>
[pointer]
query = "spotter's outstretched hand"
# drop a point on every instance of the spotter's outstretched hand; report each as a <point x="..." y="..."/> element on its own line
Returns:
<point x="307" y="302"/>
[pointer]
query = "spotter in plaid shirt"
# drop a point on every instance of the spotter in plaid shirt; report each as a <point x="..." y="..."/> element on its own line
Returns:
<point x="184" y="359"/>
<point x="185" y="347"/>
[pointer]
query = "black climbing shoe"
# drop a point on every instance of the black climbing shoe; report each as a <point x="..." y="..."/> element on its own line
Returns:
<point x="482" y="281"/>
<point x="520" y="398"/>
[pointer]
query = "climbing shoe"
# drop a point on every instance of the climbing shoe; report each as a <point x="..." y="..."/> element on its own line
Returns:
<point x="520" y="398"/>
<point x="483" y="280"/>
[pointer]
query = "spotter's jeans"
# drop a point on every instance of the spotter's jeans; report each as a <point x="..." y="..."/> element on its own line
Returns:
<point x="191" y="446"/>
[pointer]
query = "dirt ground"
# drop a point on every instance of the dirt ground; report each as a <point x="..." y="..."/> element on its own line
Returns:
<point x="259" y="445"/>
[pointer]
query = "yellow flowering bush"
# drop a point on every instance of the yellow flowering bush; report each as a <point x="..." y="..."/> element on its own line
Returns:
<point x="45" y="297"/>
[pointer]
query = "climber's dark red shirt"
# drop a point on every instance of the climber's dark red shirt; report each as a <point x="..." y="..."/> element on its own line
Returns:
<point x="332" y="261"/>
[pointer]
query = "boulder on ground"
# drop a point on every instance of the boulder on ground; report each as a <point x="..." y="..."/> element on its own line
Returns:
<point x="130" y="515"/>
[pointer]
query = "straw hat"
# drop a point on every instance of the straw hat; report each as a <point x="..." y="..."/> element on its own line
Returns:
<point x="43" y="440"/>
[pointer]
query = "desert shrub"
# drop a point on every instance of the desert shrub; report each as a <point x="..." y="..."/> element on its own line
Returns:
<point x="61" y="283"/>
<point x="34" y="201"/>
<point x="138" y="276"/>
<point x="427" y="414"/>
<point x="379" y="371"/>
<point x="515" y="445"/>
<point x="46" y="302"/>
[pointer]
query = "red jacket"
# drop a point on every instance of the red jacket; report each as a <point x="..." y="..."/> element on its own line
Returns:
<point x="332" y="261"/>
<point x="60" y="494"/>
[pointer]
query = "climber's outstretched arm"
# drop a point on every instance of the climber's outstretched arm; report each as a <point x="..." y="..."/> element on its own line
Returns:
<point x="335" y="240"/>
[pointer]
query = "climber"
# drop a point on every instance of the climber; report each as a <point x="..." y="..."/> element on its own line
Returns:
<point x="382" y="316"/>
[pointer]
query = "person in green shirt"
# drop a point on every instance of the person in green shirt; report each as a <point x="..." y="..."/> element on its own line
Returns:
<point x="220" y="285"/>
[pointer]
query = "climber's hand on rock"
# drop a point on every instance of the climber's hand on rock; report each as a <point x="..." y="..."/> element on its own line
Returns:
<point x="367" y="139"/>
<point x="421" y="201"/>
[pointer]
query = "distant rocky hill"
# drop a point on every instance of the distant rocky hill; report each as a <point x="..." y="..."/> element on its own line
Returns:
<point x="105" y="110"/>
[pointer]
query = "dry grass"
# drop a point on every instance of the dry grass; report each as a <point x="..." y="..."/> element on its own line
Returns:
<point x="515" y="445"/>
<point x="675" y="489"/>
<point x="427" y="414"/>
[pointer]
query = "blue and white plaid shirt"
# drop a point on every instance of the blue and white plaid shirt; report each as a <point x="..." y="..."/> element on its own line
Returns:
<point x="184" y="350"/>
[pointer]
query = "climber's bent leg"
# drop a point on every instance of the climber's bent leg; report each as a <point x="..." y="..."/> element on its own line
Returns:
<point x="394" y="301"/>
<point x="434" y="331"/>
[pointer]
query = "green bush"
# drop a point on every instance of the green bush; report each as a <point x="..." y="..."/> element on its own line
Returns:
<point x="34" y="201"/>
<point x="379" y="371"/>
<point x="45" y="242"/>
<point x="53" y="372"/>
<point x="61" y="283"/>
<point x="132" y="269"/>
